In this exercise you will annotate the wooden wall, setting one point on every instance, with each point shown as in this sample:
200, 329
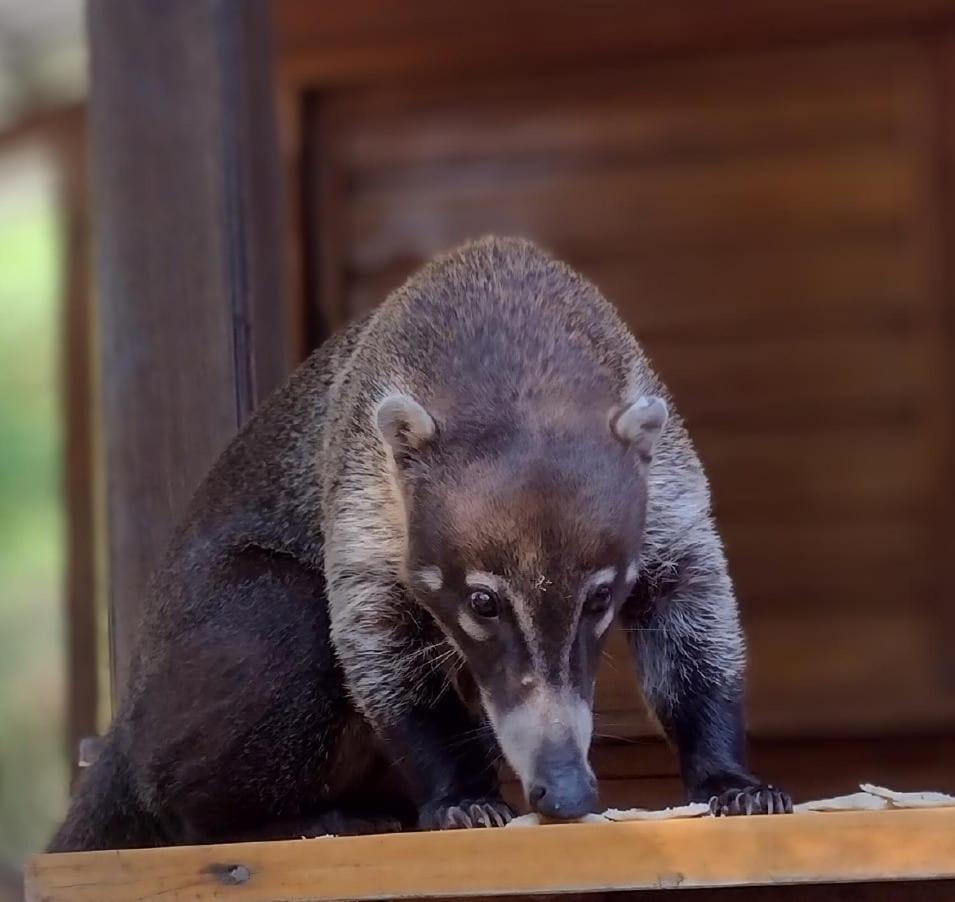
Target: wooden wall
765, 189
766, 209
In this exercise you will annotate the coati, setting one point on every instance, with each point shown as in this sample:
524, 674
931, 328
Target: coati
405, 567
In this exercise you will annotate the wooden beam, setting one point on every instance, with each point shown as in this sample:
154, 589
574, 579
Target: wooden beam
188, 260
365, 40
707, 852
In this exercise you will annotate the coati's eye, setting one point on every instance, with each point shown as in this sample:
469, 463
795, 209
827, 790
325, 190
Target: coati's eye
484, 603
599, 600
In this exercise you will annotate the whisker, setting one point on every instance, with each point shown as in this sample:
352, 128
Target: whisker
629, 740
611, 663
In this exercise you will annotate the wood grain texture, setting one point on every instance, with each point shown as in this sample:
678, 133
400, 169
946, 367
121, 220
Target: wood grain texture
387, 40
188, 260
857, 846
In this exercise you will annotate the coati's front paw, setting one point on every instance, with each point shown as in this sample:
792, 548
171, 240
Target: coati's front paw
760, 799
465, 813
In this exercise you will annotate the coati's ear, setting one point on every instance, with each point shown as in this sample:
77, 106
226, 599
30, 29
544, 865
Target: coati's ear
639, 424
404, 424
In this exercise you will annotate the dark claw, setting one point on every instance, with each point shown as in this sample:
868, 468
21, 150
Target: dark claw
457, 817
751, 800
467, 813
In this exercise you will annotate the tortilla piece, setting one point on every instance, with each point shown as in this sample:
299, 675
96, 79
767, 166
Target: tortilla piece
695, 809
857, 801
909, 799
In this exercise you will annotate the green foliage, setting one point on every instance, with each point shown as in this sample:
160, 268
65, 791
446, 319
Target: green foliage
32, 761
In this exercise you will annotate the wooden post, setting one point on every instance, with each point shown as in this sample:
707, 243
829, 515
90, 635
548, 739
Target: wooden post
187, 258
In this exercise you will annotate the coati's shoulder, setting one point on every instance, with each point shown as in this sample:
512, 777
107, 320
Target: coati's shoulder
266, 481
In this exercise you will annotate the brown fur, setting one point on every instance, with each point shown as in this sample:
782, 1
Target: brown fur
283, 631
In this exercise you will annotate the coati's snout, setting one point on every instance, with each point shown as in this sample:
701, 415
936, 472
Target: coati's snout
562, 788
546, 739
523, 544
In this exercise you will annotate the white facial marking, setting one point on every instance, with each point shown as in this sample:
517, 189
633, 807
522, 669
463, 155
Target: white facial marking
527, 680
632, 571
600, 627
547, 715
432, 577
603, 575
475, 629
476, 579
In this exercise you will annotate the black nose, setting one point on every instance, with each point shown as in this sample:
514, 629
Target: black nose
566, 796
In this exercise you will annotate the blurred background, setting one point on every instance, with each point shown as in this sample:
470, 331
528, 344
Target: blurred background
766, 190
42, 84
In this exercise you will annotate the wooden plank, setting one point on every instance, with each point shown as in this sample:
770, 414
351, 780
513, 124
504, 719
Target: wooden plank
640, 775
838, 473
842, 672
870, 564
805, 382
808, 848
188, 260
862, 284
834, 191
811, 768
817, 669
383, 39
846, 93
644, 773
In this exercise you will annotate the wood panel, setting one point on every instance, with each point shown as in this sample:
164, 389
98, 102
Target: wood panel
187, 261
765, 221
385, 40
834, 672
863, 283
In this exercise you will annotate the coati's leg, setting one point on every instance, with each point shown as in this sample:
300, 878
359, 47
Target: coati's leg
447, 761
238, 719
685, 632
395, 665
105, 812
247, 723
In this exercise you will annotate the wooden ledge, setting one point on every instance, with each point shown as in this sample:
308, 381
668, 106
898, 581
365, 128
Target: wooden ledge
840, 847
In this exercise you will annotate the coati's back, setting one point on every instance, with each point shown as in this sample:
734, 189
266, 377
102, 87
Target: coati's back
498, 325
